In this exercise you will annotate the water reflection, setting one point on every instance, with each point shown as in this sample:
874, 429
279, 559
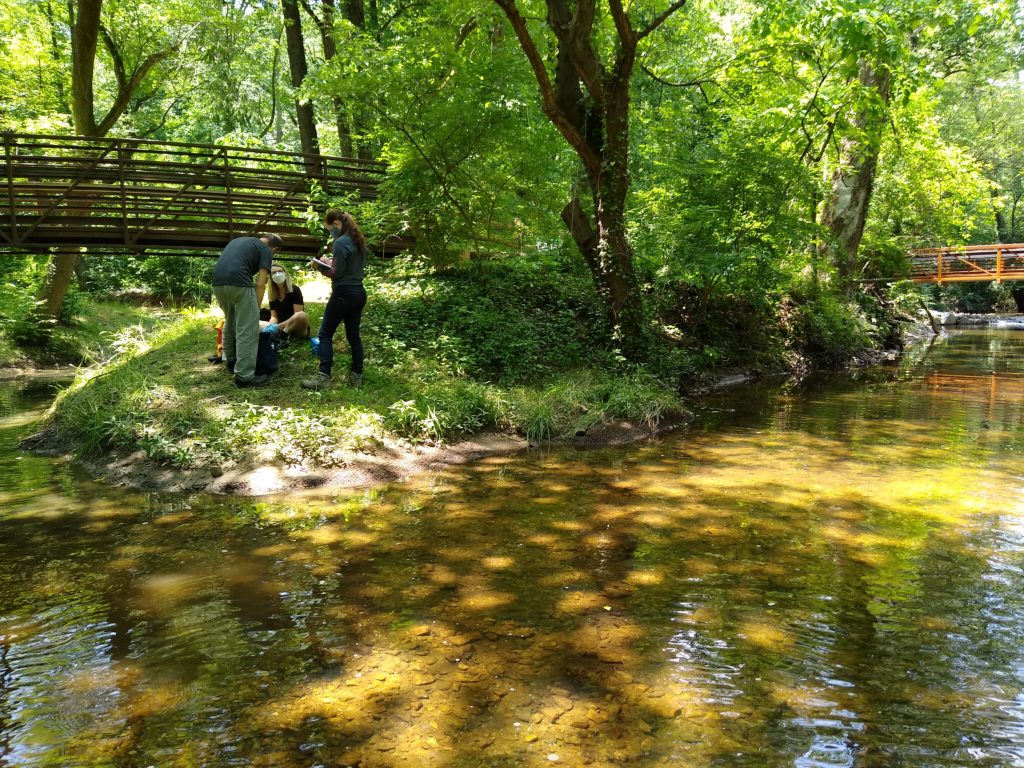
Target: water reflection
822, 574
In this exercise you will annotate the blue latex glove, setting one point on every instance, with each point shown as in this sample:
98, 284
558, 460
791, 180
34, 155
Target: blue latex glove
314, 346
271, 328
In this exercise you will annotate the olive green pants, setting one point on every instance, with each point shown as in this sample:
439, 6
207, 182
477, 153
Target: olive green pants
241, 327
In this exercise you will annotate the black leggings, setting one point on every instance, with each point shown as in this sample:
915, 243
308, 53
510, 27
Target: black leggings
345, 306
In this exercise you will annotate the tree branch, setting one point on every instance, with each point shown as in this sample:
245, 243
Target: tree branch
115, 55
465, 31
124, 94
660, 19
312, 14
574, 32
552, 108
622, 23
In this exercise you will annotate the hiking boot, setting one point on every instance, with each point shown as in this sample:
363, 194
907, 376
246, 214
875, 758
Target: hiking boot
256, 381
320, 381
355, 380
215, 359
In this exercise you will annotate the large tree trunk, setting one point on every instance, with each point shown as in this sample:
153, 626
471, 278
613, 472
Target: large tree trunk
325, 23
85, 35
846, 211
86, 29
298, 69
588, 102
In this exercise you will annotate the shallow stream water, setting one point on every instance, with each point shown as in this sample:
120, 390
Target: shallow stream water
824, 573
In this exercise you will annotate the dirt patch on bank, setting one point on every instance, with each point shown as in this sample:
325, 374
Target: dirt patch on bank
391, 462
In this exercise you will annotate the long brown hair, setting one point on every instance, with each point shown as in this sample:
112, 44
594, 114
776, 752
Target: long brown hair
348, 226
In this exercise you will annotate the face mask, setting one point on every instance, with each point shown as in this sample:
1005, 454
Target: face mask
335, 230
279, 277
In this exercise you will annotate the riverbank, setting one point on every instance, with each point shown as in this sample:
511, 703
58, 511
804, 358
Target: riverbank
458, 367
461, 364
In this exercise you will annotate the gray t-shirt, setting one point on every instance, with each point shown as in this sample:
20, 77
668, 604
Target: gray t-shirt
242, 258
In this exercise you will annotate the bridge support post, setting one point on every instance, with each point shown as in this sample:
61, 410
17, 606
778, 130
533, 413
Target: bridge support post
10, 185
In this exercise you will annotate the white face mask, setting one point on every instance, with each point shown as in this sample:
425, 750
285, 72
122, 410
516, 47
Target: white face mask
279, 277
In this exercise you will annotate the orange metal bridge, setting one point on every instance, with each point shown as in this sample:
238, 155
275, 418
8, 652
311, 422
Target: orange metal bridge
968, 263
121, 196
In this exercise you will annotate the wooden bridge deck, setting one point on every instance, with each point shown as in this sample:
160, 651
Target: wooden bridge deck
132, 195
969, 263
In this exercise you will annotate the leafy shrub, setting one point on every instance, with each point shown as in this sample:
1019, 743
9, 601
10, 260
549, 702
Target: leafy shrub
491, 322
827, 331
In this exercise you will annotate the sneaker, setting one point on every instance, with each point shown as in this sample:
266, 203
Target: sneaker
215, 359
355, 380
320, 381
256, 381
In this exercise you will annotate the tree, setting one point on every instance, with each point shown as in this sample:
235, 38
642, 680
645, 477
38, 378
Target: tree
900, 48
87, 28
586, 95
299, 69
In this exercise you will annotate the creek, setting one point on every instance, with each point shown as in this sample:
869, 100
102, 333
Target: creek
827, 572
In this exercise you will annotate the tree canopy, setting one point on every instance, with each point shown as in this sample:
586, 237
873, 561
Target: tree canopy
686, 145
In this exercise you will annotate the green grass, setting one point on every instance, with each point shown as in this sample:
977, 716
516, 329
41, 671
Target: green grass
433, 374
97, 330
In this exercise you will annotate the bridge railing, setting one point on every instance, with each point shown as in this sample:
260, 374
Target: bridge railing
136, 194
969, 263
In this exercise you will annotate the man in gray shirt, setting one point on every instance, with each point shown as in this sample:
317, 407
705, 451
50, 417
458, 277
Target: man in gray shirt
242, 258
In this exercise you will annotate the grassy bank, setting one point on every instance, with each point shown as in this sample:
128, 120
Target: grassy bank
487, 348
511, 347
94, 331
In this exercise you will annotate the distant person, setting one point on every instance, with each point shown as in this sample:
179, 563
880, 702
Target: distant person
241, 259
287, 311
348, 297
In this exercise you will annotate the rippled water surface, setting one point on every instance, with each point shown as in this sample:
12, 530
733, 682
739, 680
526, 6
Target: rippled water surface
818, 574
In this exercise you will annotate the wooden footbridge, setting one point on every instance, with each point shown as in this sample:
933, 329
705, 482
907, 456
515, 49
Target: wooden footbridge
969, 263
120, 196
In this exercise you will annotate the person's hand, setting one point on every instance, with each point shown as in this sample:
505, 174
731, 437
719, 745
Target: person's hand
269, 328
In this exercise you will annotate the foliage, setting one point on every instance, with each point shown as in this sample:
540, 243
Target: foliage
490, 321
739, 114
826, 330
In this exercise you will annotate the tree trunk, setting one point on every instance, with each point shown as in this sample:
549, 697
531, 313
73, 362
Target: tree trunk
298, 69
325, 23
1002, 230
588, 100
85, 35
355, 12
846, 211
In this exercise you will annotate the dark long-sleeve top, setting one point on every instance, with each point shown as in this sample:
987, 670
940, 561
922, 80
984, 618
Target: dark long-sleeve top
348, 264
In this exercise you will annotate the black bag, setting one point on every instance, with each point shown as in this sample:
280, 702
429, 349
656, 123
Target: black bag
266, 354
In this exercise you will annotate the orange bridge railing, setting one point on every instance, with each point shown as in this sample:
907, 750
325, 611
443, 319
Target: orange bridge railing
968, 263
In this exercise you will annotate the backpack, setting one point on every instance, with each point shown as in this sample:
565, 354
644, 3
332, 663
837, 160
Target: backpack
266, 354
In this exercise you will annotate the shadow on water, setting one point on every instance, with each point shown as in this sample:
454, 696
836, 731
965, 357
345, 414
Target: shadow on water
818, 574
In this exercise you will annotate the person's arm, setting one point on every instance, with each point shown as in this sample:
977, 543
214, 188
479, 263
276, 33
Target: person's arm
261, 285
273, 316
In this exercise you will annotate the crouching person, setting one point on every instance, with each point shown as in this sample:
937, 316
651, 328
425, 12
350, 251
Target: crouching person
242, 259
